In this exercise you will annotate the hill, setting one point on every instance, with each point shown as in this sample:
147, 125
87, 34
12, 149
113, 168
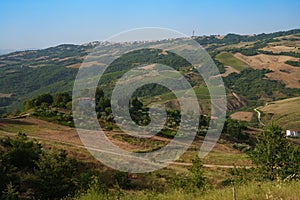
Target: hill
269, 59
40, 82
285, 112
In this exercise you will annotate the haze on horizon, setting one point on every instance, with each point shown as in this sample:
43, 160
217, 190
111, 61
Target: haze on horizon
41, 24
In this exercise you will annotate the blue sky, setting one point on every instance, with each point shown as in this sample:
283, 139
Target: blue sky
44, 23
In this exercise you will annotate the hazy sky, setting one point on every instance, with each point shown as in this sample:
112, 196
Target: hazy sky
44, 23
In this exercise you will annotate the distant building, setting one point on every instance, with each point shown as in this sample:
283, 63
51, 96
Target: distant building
292, 133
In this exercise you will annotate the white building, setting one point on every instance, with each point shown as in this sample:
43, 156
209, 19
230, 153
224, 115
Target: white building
292, 133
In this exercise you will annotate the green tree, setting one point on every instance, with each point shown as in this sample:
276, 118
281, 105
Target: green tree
234, 129
54, 176
274, 156
44, 98
99, 94
20, 152
61, 99
198, 179
136, 103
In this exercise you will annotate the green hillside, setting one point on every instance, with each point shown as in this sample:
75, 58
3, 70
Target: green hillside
228, 59
26, 74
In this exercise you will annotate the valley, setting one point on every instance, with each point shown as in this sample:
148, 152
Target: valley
262, 84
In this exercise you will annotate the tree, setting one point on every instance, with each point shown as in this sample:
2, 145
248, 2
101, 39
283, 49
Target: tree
99, 94
61, 99
274, 156
44, 98
136, 103
234, 129
54, 176
20, 152
198, 179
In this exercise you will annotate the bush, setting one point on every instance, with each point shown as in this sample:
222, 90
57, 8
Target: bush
274, 156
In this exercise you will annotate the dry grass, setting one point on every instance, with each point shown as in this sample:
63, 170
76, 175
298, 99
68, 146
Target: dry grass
85, 64
222, 153
3, 95
281, 72
229, 70
242, 116
253, 191
285, 112
280, 48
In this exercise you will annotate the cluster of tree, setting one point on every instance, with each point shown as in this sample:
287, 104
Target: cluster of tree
235, 38
283, 53
49, 107
293, 63
235, 130
26, 82
146, 56
28, 171
60, 100
253, 85
274, 157
44, 99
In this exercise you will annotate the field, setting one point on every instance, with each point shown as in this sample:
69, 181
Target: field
281, 72
216, 164
229, 60
242, 116
285, 112
222, 153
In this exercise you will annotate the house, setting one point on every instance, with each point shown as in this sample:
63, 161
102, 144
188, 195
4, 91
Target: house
292, 133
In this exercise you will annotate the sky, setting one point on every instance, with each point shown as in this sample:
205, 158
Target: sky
27, 24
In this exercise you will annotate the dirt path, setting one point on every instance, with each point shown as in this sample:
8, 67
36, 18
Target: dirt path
259, 115
75, 144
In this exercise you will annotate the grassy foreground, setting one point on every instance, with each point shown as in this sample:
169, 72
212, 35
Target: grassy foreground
252, 190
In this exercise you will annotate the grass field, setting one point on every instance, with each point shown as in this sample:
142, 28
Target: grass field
252, 190
229, 60
285, 112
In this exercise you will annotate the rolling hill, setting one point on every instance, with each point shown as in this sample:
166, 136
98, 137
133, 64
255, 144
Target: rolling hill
257, 68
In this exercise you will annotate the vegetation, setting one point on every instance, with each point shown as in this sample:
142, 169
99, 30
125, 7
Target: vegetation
285, 112
293, 63
253, 85
250, 190
229, 60
55, 109
30, 170
275, 157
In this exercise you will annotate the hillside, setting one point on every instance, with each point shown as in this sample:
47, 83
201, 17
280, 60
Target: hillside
285, 112
26, 74
40, 83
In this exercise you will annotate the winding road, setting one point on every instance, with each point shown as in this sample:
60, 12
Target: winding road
259, 115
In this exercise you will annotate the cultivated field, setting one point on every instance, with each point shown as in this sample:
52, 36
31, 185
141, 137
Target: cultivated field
229, 60
285, 112
281, 72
